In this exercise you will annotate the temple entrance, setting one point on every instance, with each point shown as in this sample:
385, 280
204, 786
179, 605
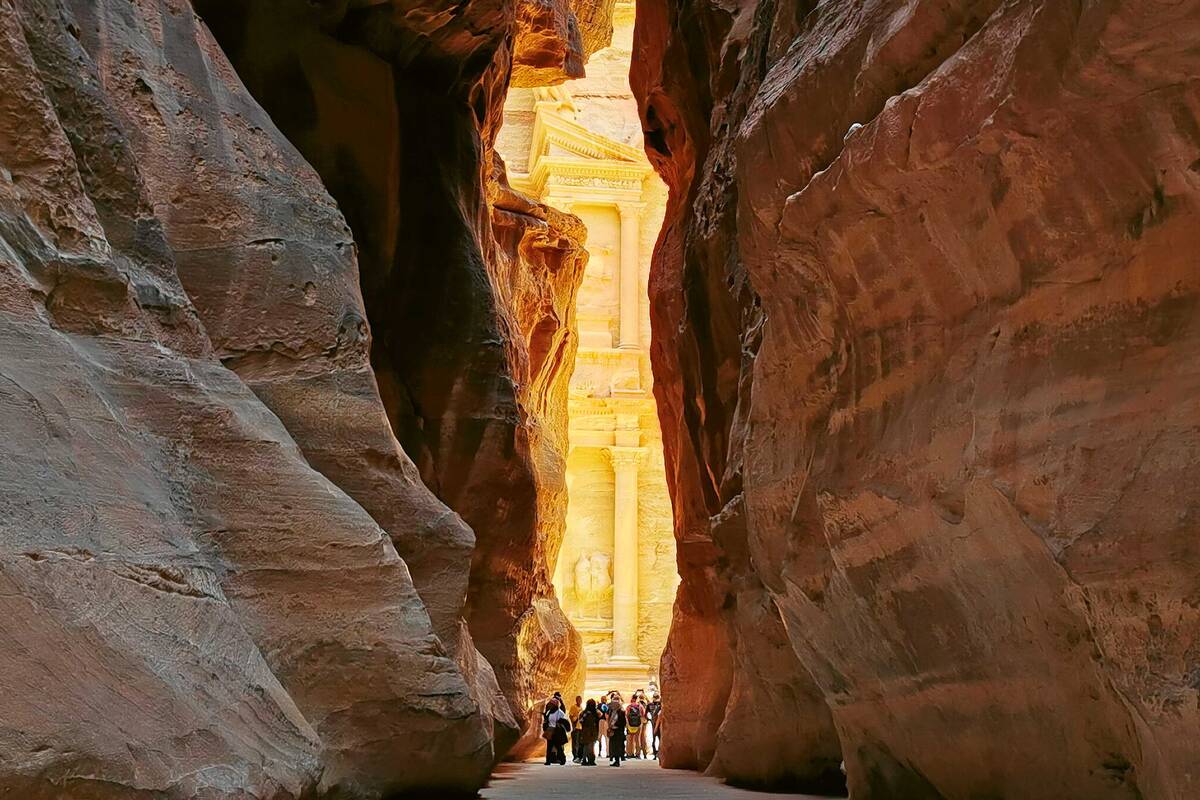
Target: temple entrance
578, 147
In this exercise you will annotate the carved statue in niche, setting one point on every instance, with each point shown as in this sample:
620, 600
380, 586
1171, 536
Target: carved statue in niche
598, 284
593, 581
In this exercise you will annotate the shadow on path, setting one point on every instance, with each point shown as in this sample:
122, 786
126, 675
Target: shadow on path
633, 780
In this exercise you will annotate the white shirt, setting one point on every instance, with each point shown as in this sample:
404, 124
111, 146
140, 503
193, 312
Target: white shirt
555, 716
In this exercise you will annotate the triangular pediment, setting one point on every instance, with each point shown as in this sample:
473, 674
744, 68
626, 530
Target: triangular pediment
555, 134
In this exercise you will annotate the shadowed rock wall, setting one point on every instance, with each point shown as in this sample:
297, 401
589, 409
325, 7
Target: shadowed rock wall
925, 344
470, 306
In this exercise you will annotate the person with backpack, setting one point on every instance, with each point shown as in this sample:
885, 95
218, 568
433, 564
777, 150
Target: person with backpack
556, 732
635, 715
555, 700
616, 733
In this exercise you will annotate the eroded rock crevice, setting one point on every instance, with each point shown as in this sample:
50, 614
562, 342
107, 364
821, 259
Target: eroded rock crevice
283, 386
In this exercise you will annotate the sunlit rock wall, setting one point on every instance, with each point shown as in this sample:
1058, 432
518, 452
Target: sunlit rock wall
592, 164
540, 259
925, 345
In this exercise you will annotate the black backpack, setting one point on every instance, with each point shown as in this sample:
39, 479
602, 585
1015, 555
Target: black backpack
635, 716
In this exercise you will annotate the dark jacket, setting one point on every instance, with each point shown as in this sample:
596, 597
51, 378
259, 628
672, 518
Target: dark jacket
589, 725
616, 722
561, 734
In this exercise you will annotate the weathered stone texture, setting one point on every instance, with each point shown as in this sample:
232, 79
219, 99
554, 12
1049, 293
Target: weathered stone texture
190, 609
595, 18
555, 38
549, 48
469, 304
926, 335
539, 263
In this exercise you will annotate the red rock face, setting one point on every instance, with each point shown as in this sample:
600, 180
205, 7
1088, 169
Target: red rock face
925, 321
555, 37
549, 48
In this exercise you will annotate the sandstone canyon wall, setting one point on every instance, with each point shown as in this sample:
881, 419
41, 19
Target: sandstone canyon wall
224, 576
471, 370
926, 348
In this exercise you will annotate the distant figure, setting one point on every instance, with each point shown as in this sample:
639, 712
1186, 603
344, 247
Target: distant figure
654, 713
576, 747
555, 732
644, 744
589, 732
616, 733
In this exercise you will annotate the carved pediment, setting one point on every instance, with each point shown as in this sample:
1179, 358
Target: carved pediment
554, 133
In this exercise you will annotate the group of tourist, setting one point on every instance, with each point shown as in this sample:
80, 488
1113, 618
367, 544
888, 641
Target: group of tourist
608, 728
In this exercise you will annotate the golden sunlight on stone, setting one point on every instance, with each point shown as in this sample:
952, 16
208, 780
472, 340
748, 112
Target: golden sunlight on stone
577, 147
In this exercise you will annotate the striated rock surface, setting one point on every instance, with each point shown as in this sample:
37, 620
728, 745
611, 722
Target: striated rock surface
596, 20
925, 335
190, 609
549, 47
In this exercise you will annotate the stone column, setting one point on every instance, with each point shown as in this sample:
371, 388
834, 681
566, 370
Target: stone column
625, 462
630, 282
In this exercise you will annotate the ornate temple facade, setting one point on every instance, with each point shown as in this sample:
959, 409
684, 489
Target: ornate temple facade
577, 147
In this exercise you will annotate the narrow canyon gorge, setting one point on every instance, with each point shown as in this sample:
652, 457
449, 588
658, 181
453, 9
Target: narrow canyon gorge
286, 357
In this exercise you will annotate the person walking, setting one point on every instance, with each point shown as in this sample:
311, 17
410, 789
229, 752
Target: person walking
589, 730
645, 742
555, 732
616, 733
654, 714
576, 747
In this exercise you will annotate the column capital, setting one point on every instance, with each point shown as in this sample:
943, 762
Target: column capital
630, 208
627, 456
